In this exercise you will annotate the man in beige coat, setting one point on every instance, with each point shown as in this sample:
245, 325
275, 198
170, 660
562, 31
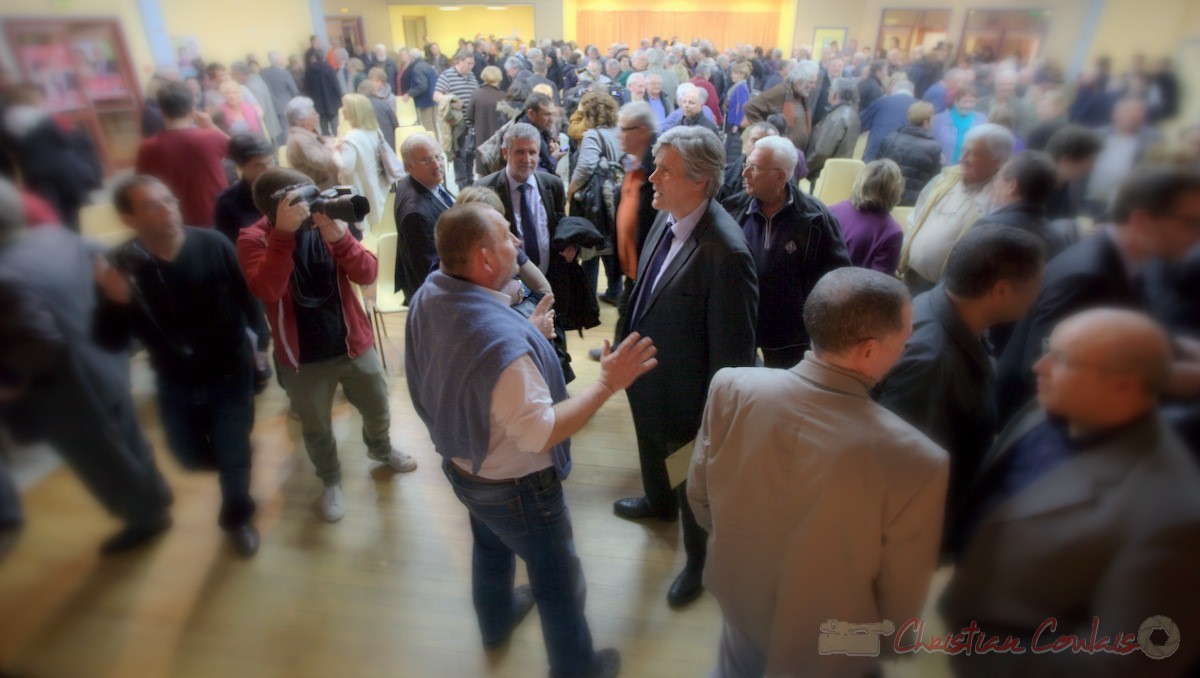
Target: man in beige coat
1087, 513
820, 504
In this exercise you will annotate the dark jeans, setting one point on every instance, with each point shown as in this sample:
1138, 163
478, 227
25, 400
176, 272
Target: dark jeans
612, 271
208, 425
783, 358
527, 517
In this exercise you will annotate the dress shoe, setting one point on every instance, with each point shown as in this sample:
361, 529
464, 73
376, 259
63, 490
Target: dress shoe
609, 299
522, 604
245, 540
687, 587
639, 508
607, 663
134, 536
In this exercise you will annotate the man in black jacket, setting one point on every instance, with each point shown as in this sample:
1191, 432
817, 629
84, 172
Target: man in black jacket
1022, 188
1156, 215
794, 241
697, 298
944, 382
420, 200
182, 293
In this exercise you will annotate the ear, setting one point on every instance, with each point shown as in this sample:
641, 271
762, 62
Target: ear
504, 153
1003, 289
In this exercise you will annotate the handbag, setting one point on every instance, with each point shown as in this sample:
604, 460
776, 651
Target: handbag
390, 166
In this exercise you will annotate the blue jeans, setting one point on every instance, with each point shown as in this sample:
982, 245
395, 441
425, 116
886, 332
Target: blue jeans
527, 517
208, 425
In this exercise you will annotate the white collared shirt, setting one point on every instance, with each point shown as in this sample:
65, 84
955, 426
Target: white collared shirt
521, 417
534, 196
682, 230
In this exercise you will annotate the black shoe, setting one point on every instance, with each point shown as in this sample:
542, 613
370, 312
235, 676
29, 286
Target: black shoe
607, 663
639, 508
522, 604
134, 536
609, 299
245, 540
687, 587
596, 354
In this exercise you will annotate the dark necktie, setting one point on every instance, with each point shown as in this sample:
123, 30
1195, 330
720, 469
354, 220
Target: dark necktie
529, 229
445, 197
649, 278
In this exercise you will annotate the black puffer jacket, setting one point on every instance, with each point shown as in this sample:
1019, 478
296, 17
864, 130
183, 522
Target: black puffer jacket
919, 156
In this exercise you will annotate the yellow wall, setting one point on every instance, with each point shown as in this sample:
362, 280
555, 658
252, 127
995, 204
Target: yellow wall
1129, 26
445, 28
787, 10
260, 26
377, 27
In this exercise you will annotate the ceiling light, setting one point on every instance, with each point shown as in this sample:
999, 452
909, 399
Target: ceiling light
450, 8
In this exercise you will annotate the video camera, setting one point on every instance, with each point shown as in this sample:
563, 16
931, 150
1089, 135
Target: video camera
339, 202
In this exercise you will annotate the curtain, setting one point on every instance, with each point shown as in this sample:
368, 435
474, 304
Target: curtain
724, 29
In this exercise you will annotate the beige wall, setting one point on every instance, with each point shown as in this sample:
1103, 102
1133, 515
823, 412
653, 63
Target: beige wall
126, 11
377, 27
261, 26
445, 28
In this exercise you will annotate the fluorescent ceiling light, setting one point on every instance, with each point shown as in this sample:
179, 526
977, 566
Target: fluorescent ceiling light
449, 8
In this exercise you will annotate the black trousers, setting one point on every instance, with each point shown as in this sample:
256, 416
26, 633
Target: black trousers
653, 452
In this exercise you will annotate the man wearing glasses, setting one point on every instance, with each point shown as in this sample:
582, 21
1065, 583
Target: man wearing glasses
1156, 216
794, 241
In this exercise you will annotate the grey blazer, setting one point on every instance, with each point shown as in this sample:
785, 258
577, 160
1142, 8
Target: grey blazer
701, 316
1114, 532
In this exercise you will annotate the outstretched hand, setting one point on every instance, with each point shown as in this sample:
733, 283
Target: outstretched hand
622, 366
543, 316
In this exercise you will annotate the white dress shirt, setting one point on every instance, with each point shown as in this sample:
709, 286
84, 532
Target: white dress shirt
682, 230
534, 196
522, 419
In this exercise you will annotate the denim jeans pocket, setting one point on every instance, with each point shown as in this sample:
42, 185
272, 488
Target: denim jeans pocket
503, 516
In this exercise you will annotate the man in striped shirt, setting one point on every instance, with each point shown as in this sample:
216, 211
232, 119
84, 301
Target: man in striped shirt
459, 81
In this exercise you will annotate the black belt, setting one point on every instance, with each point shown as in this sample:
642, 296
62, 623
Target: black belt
544, 476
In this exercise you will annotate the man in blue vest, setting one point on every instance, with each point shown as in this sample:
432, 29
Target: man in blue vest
489, 388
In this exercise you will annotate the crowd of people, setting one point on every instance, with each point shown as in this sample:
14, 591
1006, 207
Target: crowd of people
1008, 381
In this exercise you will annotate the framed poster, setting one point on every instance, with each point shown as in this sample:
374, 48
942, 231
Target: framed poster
831, 39
49, 68
96, 63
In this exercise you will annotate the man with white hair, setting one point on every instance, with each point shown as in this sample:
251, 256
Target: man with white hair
420, 200
793, 99
656, 65
635, 88
691, 111
950, 204
1005, 97
794, 241
282, 87
379, 59
837, 133
696, 297
705, 71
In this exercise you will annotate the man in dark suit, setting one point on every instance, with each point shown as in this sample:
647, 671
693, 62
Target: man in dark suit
1087, 512
1022, 188
1156, 215
420, 200
697, 297
57, 384
944, 383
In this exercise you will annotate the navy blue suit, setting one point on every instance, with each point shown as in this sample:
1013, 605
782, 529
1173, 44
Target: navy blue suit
884, 116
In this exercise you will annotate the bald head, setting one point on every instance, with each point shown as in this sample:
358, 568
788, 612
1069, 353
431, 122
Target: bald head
1103, 368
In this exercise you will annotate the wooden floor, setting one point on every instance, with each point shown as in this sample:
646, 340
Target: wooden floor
385, 592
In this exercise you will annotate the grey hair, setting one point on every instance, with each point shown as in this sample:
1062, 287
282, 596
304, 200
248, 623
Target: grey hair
415, 53
639, 112
846, 90
522, 131
686, 89
539, 66
702, 152
903, 86
342, 54
533, 54
640, 77
298, 109
849, 305
783, 150
804, 71
704, 69
997, 138
415, 141
275, 57
653, 76
655, 57
512, 62
612, 62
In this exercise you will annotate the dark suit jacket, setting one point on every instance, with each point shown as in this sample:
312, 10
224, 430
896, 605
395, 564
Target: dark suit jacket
701, 316
1112, 532
554, 199
1030, 218
1086, 275
944, 386
417, 211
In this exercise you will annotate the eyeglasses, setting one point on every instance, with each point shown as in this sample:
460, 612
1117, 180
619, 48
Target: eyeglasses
630, 128
755, 169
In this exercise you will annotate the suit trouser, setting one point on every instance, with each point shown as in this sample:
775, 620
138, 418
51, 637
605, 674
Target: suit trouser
623, 311
106, 449
311, 390
653, 452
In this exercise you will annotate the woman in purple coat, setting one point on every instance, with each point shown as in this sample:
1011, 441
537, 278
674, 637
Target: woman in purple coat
873, 237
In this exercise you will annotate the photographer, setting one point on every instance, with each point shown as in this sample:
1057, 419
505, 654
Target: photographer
181, 292
300, 263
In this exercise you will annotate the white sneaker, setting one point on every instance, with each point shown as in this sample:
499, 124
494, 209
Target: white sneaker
397, 461
332, 505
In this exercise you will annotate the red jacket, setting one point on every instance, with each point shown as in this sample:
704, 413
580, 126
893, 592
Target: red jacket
266, 257
713, 102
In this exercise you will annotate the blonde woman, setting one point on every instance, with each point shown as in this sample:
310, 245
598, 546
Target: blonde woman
357, 155
237, 116
873, 237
